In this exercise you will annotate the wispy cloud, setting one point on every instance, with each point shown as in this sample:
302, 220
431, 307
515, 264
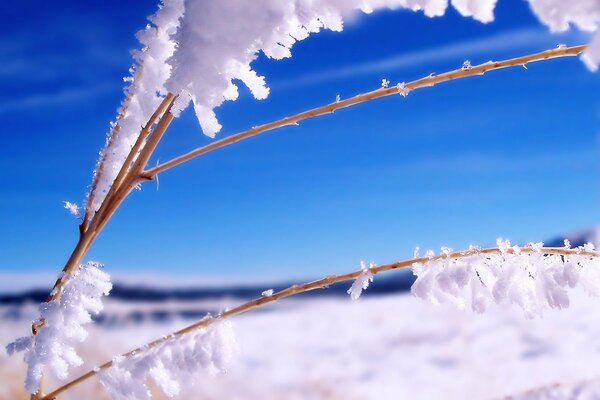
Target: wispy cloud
50, 99
511, 40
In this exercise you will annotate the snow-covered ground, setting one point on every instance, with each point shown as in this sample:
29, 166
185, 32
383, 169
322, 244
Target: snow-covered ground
380, 347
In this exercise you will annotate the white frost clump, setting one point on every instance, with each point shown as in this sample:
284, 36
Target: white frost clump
482, 10
362, 281
530, 279
267, 293
72, 208
585, 14
218, 40
177, 362
63, 325
142, 97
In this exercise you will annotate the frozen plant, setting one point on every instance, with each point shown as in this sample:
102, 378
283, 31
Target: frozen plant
133, 176
142, 97
64, 320
179, 361
197, 49
194, 52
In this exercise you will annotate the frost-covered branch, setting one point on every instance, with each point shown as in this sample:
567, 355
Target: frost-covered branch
175, 363
53, 348
533, 280
564, 266
402, 88
142, 97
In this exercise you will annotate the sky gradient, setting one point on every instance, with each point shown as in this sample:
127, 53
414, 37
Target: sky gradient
512, 154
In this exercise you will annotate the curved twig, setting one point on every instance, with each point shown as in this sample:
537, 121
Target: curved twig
430, 80
306, 287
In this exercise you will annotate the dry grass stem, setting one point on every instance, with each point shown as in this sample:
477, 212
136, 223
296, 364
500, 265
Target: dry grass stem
430, 80
125, 181
114, 133
303, 288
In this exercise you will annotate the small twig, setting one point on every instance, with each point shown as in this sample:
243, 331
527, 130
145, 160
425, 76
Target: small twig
430, 80
127, 178
306, 287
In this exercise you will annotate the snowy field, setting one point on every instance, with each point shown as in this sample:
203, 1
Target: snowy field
380, 347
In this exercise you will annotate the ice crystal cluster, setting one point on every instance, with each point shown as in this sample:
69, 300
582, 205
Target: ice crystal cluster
197, 49
63, 325
362, 281
180, 360
528, 277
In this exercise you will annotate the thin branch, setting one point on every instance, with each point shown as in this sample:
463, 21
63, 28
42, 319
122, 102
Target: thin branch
306, 287
124, 182
427, 81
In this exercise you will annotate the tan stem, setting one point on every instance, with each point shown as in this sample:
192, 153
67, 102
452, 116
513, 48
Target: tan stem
303, 288
126, 179
427, 81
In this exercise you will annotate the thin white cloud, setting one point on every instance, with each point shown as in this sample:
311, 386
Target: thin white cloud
511, 40
59, 98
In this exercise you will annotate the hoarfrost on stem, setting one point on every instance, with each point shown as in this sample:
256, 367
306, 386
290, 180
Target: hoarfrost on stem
559, 15
63, 325
143, 95
402, 89
179, 361
527, 277
362, 281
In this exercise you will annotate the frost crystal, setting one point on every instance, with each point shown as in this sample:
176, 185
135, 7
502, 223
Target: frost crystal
178, 362
72, 208
385, 83
467, 65
63, 325
267, 293
402, 89
362, 281
530, 279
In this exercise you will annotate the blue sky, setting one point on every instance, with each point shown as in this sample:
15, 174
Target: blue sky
511, 154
